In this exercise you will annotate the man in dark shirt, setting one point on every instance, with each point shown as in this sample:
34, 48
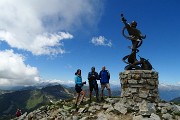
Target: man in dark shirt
93, 77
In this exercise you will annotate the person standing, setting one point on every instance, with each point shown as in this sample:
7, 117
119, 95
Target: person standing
92, 78
78, 87
104, 77
18, 113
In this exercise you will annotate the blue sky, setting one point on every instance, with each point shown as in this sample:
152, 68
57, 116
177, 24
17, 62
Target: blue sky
50, 41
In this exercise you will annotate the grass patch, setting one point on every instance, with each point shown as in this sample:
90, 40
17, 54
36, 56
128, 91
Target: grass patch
34, 100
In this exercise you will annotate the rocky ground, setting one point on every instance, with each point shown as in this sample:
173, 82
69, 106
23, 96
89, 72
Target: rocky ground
109, 109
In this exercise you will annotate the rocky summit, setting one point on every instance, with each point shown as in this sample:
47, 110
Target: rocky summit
139, 100
109, 109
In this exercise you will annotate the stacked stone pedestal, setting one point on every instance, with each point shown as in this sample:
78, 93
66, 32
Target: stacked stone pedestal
139, 85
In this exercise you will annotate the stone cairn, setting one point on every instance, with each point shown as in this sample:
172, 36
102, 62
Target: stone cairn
139, 85
139, 91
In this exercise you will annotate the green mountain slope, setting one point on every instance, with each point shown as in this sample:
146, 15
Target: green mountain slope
29, 100
176, 100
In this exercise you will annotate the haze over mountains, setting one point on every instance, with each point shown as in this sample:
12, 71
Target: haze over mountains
167, 92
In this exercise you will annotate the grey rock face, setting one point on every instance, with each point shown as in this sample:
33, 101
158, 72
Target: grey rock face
146, 109
120, 107
155, 117
167, 116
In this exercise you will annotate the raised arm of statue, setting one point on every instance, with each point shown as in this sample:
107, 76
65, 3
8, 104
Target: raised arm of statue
124, 21
122, 18
134, 33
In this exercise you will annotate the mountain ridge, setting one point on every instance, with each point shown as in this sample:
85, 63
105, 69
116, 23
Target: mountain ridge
28, 100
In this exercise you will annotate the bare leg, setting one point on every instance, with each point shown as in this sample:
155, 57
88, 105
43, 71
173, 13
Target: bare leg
109, 92
82, 96
102, 94
77, 98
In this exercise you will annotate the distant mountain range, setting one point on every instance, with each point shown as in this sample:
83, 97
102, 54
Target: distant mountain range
176, 100
167, 92
36, 86
31, 98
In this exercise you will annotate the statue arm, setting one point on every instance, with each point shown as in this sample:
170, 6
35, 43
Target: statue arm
124, 21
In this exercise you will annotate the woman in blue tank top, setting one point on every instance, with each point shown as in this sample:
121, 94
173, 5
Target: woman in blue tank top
78, 87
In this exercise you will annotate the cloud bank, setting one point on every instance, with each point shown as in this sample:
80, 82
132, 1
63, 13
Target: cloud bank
40, 26
63, 82
101, 41
13, 70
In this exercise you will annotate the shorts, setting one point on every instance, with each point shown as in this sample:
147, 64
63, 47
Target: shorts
93, 85
78, 88
107, 85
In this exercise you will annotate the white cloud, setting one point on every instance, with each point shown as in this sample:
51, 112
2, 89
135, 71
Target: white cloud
13, 70
64, 82
45, 44
101, 41
37, 26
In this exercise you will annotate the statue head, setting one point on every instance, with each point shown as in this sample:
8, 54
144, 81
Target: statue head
133, 24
